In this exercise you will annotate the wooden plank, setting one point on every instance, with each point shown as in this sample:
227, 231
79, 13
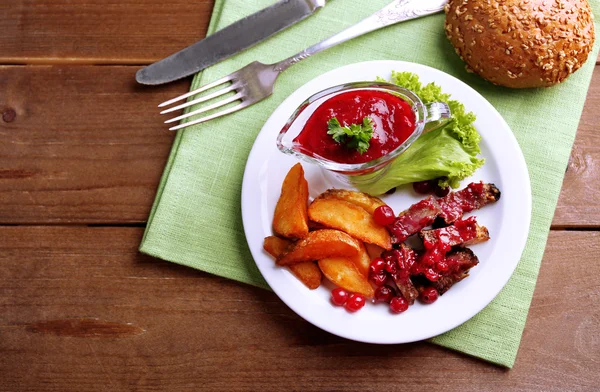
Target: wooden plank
579, 202
68, 122
81, 310
80, 144
99, 32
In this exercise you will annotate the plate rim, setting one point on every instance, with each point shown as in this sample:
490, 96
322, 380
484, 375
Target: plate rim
395, 65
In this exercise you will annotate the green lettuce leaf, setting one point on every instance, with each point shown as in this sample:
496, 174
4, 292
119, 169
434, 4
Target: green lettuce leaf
450, 151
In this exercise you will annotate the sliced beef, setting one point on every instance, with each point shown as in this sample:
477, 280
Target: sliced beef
461, 232
438, 242
449, 208
473, 197
405, 257
461, 261
417, 217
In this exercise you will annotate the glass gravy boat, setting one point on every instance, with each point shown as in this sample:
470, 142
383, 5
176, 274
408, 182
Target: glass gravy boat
427, 117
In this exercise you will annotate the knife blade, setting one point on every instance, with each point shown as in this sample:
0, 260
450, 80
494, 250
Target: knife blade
228, 41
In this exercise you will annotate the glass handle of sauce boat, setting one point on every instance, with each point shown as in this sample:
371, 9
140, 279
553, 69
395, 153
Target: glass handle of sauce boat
438, 115
395, 12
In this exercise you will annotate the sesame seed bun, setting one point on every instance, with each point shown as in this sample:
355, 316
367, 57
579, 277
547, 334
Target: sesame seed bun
521, 43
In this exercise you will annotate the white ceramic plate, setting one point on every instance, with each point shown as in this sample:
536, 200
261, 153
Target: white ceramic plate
507, 220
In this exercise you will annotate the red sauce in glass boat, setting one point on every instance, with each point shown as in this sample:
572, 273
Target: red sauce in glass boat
392, 117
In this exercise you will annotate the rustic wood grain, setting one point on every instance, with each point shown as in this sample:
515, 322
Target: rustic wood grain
98, 32
81, 310
103, 32
86, 145
579, 202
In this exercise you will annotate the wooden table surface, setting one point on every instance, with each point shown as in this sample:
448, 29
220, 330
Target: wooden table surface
82, 310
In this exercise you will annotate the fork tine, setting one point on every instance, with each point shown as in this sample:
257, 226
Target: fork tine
202, 99
236, 97
198, 90
212, 116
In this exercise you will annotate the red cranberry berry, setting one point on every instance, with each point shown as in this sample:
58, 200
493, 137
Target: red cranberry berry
429, 295
391, 191
441, 192
355, 302
339, 296
391, 266
398, 305
378, 278
377, 265
384, 215
384, 293
424, 187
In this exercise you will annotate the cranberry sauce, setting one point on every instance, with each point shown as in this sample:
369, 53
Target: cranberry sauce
455, 204
392, 118
433, 262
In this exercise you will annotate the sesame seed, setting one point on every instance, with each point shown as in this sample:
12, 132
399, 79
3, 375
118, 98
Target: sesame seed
539, 60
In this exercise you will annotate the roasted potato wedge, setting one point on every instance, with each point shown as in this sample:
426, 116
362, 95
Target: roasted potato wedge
343, 273
307, 272
290, 219
275, 246
320, 244
368, 202
312, 226
374, 250
362, 260
350, 218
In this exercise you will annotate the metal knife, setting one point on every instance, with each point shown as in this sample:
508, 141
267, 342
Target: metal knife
228, 41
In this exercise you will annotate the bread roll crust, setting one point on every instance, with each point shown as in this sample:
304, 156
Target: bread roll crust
521, 43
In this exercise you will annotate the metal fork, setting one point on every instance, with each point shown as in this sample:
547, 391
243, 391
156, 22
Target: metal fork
255, 81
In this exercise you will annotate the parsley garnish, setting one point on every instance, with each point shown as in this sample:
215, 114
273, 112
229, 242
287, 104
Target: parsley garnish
355, 136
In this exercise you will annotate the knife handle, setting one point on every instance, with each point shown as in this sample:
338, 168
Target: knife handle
395, 12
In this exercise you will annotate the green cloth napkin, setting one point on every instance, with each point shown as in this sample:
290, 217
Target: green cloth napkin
196, 218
